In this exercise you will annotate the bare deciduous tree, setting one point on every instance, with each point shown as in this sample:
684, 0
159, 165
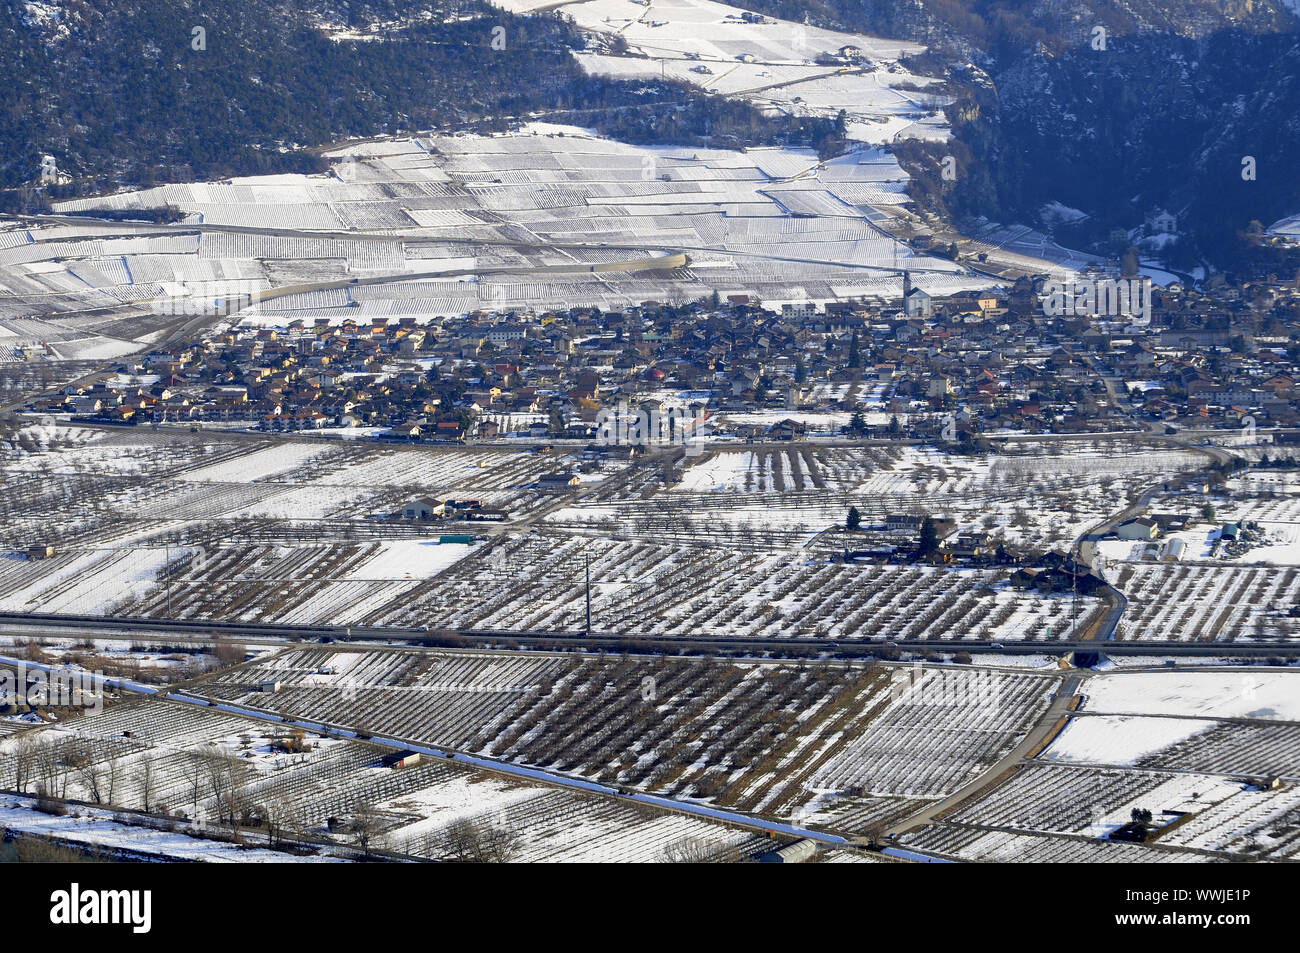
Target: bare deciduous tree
111, 766
193, 770
144, 774
482, 842
228, 653
688, 850
25, 756
365, 827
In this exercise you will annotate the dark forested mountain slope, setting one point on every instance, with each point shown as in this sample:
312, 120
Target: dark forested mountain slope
1161, 118
119, 94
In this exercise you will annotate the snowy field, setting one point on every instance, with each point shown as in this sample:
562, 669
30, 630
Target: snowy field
1120, 739
88, 583
769, 63
588, 201
830, 732
1034, 496
1254, 694
293, 529
1207, 602
409, 559
261, 465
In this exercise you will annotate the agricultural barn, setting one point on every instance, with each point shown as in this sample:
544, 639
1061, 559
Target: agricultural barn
423, 509
1141, 528
801, 851
558, 481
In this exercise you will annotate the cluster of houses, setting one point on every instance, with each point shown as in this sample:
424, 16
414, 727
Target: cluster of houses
972, 362
899, 538
902, 538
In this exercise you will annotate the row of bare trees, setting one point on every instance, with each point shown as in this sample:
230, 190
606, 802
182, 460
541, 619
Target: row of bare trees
218, 785
54, 766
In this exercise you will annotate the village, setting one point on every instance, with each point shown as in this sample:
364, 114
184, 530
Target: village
960, 368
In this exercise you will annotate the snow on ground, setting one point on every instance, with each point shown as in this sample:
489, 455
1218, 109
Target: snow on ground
460, 797
409, 559
41, 436
1180, 793
1282, 548
1252, 821
722, 471
88, 583
92, 349
1119, 739
1058, 213
260, 464
308, 501
993, 660
737, 213
94, 826
1026, 247
1290, 226
827, 422
1267, 695
1169, 661
1269, 498
1158, 275
1196, 542
350, 433
768, 62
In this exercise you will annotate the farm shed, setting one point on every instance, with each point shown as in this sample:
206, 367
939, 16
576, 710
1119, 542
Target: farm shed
558, 481
485, 515
801, 851
1025, 577
401, 759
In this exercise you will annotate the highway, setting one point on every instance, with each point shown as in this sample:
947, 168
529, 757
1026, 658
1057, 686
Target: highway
192, 630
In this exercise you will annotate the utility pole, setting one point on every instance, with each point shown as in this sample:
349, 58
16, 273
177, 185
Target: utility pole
586, 559
1074, 602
